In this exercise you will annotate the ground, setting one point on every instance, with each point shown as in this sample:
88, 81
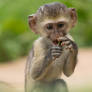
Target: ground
13, 73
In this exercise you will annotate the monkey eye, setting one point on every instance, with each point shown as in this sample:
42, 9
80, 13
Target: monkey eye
60, 25
49, 26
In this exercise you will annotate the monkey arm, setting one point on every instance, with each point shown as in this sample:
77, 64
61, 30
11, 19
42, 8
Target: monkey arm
40, 61
39, 66
71, 61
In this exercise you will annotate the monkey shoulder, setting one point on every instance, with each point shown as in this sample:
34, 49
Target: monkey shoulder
39, 43
40, 46
35, 51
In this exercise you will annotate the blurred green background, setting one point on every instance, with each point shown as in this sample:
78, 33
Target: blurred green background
15, 36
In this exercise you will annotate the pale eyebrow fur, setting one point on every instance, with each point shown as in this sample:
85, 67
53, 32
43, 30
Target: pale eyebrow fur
46, 21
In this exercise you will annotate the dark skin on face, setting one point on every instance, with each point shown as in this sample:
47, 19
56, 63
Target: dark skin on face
56, 30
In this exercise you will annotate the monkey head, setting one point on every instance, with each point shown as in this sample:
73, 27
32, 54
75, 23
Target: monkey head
53, 20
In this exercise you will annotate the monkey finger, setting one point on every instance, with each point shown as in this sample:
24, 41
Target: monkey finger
56, 54
62, 39
54, 57
65, 43
56, 51
56, 48
69, 47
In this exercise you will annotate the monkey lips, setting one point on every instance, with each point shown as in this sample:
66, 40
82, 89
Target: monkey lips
57, 42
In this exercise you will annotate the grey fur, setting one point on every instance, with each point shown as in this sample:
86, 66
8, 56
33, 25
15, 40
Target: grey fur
43, 72
52, 10
44, 69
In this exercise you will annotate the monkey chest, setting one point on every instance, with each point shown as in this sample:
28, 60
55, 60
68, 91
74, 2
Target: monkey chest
55, 70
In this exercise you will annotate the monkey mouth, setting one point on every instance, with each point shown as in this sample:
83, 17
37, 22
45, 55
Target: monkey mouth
57, 42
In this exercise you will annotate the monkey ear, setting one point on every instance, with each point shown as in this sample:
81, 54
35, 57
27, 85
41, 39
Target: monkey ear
73, 15
32, 22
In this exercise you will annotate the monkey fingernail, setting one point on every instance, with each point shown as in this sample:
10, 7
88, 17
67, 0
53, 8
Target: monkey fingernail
66, 47
53, 57
62, 44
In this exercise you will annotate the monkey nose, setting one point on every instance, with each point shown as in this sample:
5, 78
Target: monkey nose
61, 34
57, 35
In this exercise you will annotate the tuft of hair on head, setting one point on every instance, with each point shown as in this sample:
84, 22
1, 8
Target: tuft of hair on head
52, 10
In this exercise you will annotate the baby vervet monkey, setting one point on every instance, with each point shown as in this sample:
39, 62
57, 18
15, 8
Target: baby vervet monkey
55, 52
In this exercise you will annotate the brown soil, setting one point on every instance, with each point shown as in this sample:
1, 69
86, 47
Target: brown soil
13, 73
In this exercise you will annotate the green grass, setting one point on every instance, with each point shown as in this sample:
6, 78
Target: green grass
16, 39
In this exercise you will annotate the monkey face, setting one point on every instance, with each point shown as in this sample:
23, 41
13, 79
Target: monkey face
56, 27
56, 30
53, 20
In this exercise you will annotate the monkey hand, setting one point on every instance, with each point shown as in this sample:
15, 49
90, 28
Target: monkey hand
56, 51
67, 43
